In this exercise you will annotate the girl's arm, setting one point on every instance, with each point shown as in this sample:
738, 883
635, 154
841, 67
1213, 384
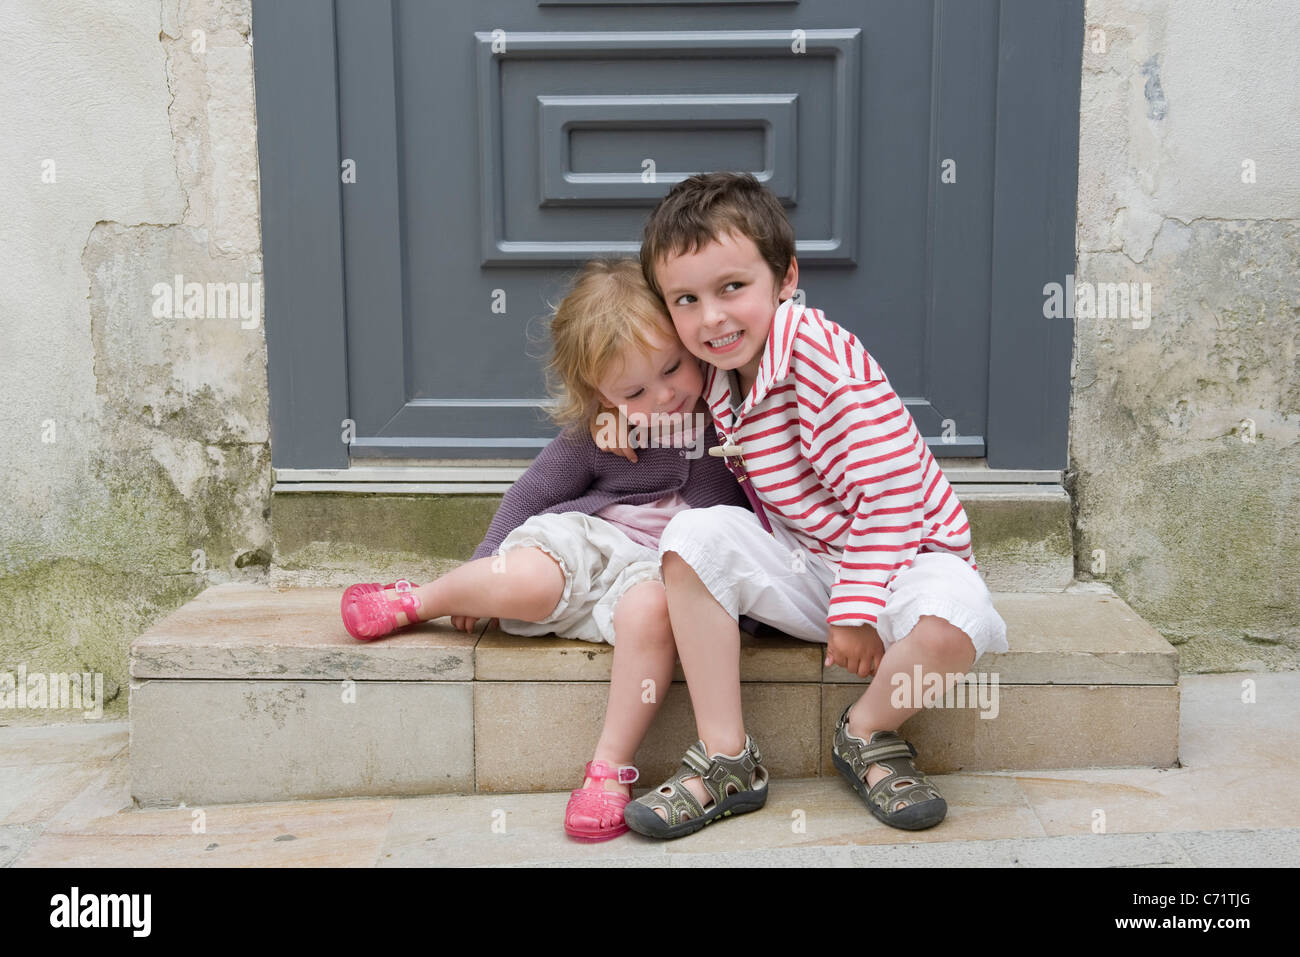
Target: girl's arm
561, 472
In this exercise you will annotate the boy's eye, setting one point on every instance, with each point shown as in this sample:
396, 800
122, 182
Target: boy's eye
735, 283
676, 365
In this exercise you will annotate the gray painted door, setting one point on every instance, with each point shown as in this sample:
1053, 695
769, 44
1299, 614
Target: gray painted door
925, 152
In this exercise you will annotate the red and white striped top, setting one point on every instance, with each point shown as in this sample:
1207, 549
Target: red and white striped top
832, 452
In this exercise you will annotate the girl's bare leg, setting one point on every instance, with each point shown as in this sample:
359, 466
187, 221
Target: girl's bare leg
524, 584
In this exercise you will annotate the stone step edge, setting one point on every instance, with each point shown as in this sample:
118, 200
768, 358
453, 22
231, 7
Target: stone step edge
1040, 667
241, 631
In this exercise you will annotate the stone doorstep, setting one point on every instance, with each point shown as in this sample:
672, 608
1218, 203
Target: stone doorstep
236, 697
225, 741
243, 631
202, 742
1036, 727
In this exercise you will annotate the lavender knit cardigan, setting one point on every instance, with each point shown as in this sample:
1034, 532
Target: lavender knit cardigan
572, 475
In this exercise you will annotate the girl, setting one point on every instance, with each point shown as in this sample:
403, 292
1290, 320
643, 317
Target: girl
576, 538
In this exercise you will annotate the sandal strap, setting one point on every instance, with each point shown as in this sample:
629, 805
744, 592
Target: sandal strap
697, 758
886, 797
716, 771
603, 770
886, 748
883, 744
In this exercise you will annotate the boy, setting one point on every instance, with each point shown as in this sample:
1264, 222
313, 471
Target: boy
856, 538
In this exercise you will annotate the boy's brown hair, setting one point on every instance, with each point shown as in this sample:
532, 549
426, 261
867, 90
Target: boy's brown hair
607, 312
702, 208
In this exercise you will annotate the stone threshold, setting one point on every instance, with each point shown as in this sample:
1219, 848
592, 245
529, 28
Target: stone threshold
252, 694
243, 631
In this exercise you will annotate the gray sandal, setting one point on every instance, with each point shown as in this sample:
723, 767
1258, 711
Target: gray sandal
924, 806
737, 785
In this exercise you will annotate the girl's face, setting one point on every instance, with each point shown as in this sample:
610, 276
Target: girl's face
668, 380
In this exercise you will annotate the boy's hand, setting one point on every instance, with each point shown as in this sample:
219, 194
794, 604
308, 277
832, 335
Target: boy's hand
600, 435
857, 649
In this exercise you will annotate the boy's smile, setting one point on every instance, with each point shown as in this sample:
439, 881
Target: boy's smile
722, 298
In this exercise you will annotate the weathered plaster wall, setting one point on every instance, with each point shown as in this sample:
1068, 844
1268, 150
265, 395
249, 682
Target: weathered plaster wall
1185, 428
135, 465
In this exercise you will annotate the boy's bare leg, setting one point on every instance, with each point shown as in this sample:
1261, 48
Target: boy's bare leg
708, 643
643, 652
524, 584
939, 647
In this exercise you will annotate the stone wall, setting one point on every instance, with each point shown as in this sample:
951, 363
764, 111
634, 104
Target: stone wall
1185, 422
135, 462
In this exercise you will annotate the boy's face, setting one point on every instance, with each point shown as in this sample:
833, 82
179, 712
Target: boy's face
722, 298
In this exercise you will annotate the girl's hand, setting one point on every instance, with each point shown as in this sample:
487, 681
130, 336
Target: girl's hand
612, 440
469, 624
857, 649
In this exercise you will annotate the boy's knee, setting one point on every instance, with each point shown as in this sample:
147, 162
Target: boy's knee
941, 637
644, 609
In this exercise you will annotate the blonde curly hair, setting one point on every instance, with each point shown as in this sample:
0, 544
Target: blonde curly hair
609, 309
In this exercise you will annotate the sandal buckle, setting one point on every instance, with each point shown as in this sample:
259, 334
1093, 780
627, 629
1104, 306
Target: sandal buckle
623, 772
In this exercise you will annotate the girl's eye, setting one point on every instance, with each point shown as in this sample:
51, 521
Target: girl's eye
680, 298
735, 283
676, 365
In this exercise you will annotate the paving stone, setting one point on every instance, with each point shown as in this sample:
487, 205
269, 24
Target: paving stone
231, 741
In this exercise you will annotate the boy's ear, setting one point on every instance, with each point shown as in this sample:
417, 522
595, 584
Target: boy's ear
791, 281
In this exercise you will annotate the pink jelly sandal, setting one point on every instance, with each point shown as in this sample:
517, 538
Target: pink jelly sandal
355, 591
594, 814
368, 613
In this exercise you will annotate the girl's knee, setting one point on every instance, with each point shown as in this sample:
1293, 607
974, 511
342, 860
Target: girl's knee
537, 558
539, 577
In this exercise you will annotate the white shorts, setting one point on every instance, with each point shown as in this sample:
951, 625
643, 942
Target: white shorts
599, 562
774, 579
